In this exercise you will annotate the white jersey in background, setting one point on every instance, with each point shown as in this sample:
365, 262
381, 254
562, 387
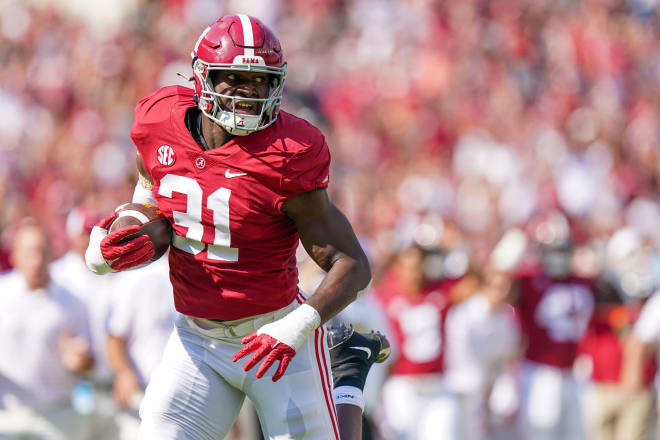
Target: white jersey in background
143, 315
95, 293
647, 326
480, 341
31, 324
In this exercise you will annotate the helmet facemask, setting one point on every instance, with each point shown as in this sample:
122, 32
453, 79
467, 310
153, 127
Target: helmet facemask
239, 124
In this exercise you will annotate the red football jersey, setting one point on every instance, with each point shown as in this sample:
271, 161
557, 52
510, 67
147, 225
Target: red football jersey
604, 345
233, 249
418, 325
554, 316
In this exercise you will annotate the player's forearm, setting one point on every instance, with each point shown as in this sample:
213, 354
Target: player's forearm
117, 357
329, 239
142, 192
350, 422
633, 364
345, 280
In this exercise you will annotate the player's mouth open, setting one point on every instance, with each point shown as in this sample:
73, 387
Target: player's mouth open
246, 108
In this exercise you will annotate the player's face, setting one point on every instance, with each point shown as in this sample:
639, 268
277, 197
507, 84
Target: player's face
80, 242
241, 84
31, 255
557, 263
409, 268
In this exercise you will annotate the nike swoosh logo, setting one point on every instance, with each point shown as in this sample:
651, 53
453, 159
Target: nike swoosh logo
365, 349
229, 174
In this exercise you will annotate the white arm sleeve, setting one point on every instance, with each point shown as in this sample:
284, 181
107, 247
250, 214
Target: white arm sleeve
143, 195
647, 327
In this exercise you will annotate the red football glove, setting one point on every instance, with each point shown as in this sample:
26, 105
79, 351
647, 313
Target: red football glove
104, 253
279, 340
263, 345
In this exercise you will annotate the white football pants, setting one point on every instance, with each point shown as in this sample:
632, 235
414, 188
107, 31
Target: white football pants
197, 391
549, 404
417, 407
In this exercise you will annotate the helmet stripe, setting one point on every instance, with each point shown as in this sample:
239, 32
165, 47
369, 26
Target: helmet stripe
199, 40
248, 36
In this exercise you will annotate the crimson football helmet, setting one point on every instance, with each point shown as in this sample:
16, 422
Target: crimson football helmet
554, 237
238, 43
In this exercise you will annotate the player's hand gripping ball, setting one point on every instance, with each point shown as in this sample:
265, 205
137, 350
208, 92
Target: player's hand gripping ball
134, 221
134, 235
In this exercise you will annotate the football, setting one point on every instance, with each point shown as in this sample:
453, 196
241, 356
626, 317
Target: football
151, 221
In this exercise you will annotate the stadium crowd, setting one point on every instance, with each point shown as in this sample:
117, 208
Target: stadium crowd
451, 126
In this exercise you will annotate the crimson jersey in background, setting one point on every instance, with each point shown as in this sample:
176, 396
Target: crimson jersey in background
233, 249
418, 324
4, 261
603, 342
554, 315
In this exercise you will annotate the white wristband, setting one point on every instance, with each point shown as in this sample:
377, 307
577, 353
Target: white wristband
294, 328
348, 395
93, 257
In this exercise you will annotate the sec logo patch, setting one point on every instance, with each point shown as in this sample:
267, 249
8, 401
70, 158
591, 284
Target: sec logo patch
166, 155
200, 162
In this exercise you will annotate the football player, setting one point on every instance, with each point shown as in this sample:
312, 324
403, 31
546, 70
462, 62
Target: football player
351, 356
241, 182
44, 345
416, 298
554, 308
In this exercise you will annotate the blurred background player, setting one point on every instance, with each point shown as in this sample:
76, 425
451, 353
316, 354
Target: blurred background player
554, 308
642, 345
97, 295
140, 322
416, 301
482, 341
351, 356
613, 408
44, 345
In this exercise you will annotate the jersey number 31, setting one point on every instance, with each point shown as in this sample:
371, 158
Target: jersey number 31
217, 201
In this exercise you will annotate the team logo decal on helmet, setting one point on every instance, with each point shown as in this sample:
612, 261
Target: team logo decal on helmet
238, 43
